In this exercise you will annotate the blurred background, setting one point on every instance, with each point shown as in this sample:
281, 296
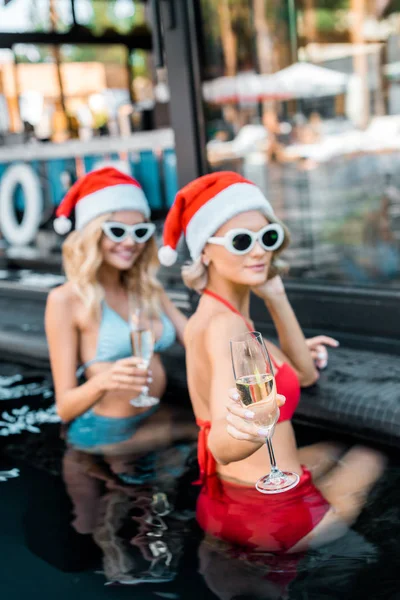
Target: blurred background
300, 96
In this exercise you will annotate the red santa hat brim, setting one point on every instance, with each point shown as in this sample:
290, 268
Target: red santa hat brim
110, 199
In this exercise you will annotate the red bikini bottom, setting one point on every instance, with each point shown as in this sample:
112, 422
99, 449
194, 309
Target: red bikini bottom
273, 523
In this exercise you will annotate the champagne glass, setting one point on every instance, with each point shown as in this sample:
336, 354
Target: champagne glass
142, 339
256, 385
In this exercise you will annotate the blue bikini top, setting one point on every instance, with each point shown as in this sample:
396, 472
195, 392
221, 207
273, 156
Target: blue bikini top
114, 341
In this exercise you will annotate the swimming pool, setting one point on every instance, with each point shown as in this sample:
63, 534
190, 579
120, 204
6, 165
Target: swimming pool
138, 527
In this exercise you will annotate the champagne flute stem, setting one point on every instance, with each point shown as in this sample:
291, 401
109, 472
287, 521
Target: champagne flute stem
271, 452
274, 469
147, 391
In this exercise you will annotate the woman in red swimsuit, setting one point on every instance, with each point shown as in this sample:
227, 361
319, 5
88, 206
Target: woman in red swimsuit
234, 239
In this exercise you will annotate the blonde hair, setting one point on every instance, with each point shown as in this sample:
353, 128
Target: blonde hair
195, 274
82, 259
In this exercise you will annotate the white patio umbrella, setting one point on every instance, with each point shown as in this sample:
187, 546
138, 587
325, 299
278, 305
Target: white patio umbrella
300, 80
305, 80
243, 87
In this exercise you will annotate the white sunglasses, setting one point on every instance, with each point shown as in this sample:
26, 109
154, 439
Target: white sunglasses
118, 232
241, 241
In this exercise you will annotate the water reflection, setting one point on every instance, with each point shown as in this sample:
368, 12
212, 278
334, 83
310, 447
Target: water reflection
129, 505
126, 497
133, 519
141, 517
233, 573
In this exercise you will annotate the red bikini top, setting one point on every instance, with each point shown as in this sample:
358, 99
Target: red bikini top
287, 382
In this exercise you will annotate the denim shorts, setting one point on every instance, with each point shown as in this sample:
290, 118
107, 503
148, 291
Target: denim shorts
91, 430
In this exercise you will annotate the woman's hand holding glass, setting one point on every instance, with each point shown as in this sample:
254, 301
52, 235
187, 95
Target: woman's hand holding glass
248, 423
125, 375
255, 383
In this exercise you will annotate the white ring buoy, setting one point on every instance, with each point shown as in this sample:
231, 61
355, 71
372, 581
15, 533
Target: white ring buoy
20, 234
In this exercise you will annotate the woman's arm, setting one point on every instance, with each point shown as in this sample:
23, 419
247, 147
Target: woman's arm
224, 442
63, 338
177, 317
291, 338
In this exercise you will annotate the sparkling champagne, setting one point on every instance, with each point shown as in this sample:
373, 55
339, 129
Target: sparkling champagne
142, 340
259, 392
142, 344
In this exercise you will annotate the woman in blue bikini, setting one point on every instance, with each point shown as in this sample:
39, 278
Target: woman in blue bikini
110, 262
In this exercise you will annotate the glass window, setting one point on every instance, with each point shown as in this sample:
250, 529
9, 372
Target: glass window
81, 91
23, 16
303, 98
68, 108
100, 16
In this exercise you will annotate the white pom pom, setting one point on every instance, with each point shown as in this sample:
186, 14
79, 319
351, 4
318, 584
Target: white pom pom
62, 225
167, 256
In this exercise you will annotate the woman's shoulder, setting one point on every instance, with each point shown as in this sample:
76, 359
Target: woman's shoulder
64, 296
221, 327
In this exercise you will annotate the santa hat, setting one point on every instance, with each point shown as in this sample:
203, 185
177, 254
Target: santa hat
99, 192
203, 206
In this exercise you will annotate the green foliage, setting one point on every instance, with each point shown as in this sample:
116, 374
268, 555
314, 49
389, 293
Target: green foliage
104, 17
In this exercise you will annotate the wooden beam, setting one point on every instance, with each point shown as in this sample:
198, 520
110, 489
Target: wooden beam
133, 41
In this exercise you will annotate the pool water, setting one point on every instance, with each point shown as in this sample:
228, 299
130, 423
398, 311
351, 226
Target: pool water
77, 524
